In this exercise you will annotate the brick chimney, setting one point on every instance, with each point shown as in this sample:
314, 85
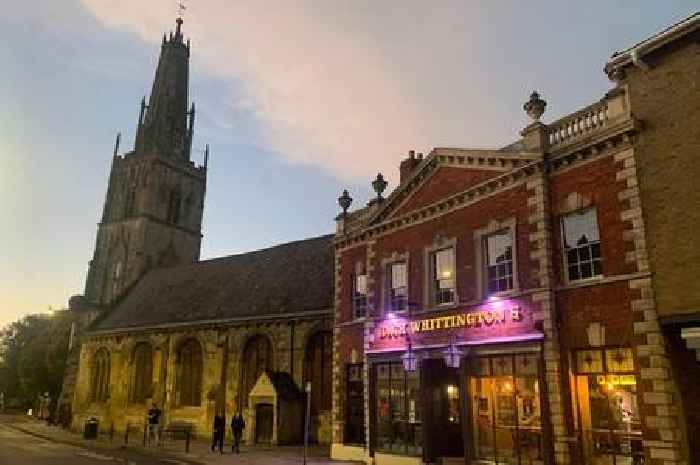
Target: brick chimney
408, 165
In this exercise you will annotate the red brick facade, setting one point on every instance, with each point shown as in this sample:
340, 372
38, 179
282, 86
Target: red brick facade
581, 166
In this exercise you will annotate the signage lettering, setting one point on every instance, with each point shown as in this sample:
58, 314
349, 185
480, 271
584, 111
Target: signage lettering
485, 318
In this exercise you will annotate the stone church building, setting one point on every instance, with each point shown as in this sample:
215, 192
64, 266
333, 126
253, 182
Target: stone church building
156, 325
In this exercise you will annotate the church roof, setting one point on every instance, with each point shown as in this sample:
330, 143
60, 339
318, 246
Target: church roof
286, 280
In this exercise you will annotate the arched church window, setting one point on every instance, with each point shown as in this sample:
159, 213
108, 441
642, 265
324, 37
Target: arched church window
257, 358
99, 376
317, 370
130, 207
143, 372
116, 278
190, 373
174, 204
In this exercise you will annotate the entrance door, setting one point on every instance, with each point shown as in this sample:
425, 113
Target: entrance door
263, 423
443, 425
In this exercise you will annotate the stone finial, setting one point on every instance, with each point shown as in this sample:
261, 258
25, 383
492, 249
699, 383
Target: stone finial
379, 185
535, 106
345, 201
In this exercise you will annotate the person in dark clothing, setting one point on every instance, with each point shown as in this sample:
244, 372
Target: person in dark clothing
219, 431
237, 425
154, 424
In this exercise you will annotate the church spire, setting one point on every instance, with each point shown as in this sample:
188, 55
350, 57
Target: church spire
164, 127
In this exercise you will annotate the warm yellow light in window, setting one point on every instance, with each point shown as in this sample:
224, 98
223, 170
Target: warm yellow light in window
447, 274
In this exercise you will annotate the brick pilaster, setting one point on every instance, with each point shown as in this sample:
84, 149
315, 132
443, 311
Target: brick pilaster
541, 256
656, 391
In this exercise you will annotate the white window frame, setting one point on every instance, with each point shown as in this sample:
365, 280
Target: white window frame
431, 275
360, 302
591, 260
487, 266
481, 250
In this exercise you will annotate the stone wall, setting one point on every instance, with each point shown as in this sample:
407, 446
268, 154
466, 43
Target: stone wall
222, 350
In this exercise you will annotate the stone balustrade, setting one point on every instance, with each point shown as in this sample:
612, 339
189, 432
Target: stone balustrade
581, 123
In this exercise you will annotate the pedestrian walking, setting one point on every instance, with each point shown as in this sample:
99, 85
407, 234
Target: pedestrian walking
219, 432
154, 424
237, 425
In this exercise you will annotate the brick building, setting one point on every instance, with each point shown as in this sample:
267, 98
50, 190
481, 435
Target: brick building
505, 306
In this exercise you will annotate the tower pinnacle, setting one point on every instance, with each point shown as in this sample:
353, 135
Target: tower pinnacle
164, 128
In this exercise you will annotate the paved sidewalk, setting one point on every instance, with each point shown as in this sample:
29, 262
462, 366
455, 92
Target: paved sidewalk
174, 450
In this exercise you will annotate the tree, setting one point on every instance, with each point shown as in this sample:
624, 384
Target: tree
33, 354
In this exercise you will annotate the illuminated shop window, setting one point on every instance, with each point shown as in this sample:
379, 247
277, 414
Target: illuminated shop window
499, 262
359, 295
582, 245
443, 276
399, 427
506, 416
397, 286
605, 388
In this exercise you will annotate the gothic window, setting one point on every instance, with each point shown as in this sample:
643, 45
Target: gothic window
582, 245
257, 358
174, 204
99, 376
190, 373
130, 207
116, 278
143, 372
317, 370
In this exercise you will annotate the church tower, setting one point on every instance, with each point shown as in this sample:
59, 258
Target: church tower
152, 215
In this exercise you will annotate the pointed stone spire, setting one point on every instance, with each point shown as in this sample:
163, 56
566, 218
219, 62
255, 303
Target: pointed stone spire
164, 128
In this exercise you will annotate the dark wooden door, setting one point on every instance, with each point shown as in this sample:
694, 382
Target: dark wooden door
263, 423
442, 419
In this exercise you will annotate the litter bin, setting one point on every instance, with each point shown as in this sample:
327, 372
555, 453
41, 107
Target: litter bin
90, 428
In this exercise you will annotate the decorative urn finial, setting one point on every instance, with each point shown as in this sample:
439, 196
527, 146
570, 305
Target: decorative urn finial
379, 185
535, 106
345, 201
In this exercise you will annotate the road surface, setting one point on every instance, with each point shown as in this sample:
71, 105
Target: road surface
17, 448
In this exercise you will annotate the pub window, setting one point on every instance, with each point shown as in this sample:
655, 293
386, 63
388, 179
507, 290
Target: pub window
397, 286
506, 416
399, 426
499, 261
608, 410
359, 295
355, 406
443, 276
581, 245
190, 373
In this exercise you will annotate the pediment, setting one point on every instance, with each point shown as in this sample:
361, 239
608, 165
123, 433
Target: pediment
446, 172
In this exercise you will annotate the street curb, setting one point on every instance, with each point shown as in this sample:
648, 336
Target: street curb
161, 455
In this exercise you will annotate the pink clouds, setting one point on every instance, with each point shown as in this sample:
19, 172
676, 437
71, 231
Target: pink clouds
347, 86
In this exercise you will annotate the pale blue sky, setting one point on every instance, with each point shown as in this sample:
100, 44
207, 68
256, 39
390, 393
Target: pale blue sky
297, 100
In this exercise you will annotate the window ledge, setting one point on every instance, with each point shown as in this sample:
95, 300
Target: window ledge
598, 280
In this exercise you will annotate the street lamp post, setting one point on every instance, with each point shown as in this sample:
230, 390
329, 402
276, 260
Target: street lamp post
307, 419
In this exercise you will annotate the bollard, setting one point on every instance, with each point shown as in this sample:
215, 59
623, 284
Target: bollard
187, 441
111, 432
126, 435
145, 434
